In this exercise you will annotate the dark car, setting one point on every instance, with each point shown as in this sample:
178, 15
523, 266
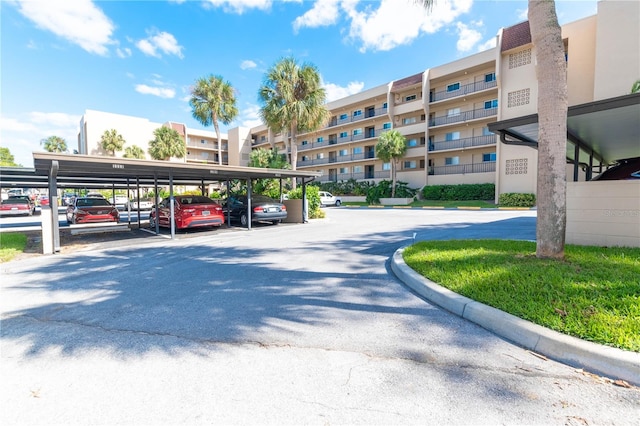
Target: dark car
14, 206
32, 204
68, 198
263, 209
91, 210
628, 168
190, 211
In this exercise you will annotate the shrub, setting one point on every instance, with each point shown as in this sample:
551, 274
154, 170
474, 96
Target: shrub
346, 187
517, 199
464, 192
383, 190
313, 198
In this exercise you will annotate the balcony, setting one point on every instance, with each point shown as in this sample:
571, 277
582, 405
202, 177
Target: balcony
463, 90
462, 117
380, 174
463, 143
350, 119
338, 159
460, 169
343, 139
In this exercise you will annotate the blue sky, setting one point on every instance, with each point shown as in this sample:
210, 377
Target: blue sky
140, 58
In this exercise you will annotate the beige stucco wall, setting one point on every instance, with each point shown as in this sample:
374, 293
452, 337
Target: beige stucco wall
581, 36
462, 179
617, 48
603, 213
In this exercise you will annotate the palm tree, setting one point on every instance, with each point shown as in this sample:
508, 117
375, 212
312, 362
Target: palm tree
391, 147
636, 87
111, 141
166, 144
292, 102
546, 37
134, 152
213, 100
54, 144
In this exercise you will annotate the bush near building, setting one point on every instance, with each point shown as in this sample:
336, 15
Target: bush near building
516, 199
476, 191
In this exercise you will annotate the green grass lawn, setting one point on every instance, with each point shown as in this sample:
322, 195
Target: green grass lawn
594, 294
439, 204
11, 244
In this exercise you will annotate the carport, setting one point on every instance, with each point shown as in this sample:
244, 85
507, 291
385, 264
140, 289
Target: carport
84, 171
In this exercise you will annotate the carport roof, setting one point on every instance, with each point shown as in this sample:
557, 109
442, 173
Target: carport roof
86, 168
609, 127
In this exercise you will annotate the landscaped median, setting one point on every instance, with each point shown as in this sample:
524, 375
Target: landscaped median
592, 295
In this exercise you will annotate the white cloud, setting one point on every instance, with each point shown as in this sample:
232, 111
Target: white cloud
22, 135
323, 13
238, 6
79, 21
389, 25
247, 64
489, 44
160, 42
523, 14
124, 52
467, 37
161, 92
250, 116
338, 92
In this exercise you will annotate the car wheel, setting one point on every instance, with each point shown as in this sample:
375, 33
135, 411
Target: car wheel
338, 203
244, 220
152, 223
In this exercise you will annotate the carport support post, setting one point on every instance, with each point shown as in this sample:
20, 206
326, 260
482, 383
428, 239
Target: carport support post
156, 201
50, 225
304, 201
249, 218
171, 206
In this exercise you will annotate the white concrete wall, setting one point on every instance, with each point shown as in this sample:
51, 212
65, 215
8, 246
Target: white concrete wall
603, 213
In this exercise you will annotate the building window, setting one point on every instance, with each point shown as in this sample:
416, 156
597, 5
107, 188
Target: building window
357, 169
452, 112
488, 78
410, 98
452, 136
305, 158
203, 142
491, 104
305, 142
358, 150
343, 152
344, 134
410, 164
320, 139
518, 98
386, 166
343, 116
452, 161
357, 132
320, 155
486, 131
489, 157
357, 112
386, 126
384, 105
408, 120
343, 170
412, 142
263, 138
453, 87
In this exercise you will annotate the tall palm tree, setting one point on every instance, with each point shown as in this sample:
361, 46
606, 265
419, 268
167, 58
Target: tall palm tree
166, 144
54, 144
112, 141
134, 151
293, 101
391, 147
213, 100
546, 36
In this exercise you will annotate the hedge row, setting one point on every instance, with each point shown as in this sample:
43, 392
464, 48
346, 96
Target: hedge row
516, 199
476, 191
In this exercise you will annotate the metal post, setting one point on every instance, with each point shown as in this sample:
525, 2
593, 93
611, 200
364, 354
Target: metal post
171, 206
249, 204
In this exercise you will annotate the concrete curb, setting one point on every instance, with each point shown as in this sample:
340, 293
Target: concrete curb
604, 360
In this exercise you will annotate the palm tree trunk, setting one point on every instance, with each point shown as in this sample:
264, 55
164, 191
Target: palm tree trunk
217, 129
551, 72
394, 166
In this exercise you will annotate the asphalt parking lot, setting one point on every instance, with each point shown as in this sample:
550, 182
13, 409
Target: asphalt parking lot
287, 324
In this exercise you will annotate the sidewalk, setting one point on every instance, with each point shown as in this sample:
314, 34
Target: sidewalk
604, 360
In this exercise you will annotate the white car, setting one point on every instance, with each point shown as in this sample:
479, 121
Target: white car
328, 199
144, 204
120, 201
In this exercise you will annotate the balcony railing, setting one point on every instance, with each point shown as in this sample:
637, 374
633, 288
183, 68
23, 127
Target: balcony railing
351, 118
463, 143
460, 169
463, 90
343, 139
380, 174
463, 116
338, 159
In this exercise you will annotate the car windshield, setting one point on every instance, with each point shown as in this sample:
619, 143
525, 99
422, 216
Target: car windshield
15, 201
195, 199
92, 202
262, 199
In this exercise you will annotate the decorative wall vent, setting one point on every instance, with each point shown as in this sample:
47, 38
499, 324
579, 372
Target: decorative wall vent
516, 167
520, 58
518, 98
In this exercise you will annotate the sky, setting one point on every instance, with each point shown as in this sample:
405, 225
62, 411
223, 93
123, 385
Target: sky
59, 58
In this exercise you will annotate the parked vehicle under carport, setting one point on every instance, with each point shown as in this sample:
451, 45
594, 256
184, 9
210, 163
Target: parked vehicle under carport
263, 209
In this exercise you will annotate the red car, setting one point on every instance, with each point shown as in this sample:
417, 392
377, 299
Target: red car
190, 211
44, 200
91, 210
14, 206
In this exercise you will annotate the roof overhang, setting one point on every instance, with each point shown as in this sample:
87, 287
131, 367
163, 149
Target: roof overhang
609, 128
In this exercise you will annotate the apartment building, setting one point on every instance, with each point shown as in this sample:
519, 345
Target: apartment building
444, 112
